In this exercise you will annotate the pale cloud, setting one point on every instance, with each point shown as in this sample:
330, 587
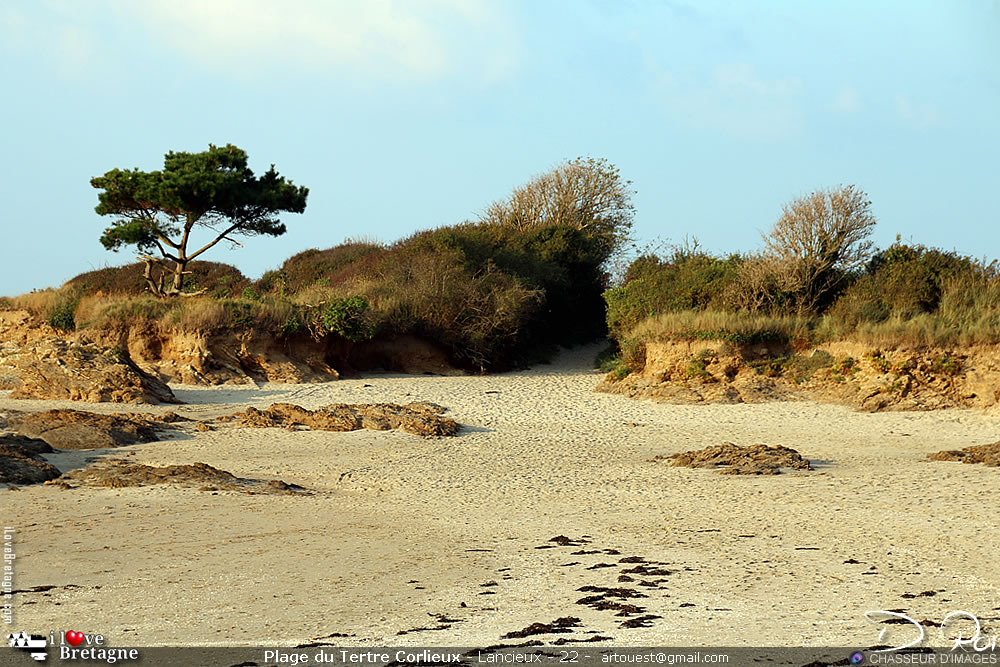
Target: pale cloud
741, 78
736, 100
384, 38
414, 40
848, 100
53, 32
915, 114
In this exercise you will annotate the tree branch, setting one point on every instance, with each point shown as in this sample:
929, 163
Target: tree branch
163, 252
209, 245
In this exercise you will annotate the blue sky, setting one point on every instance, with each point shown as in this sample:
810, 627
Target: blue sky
401, 116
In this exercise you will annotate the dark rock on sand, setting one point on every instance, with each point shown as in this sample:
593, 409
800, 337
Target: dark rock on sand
423, 419
733, 459
118, 474
76, 429
21, 463
988, 455
55, 369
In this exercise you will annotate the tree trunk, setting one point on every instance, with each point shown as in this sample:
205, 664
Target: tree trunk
178, 277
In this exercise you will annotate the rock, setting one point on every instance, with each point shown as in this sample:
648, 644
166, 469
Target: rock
119, 474
223, 357
21, 463
419, 418
54, 369
76, 429
736, 460
988, 455
30, 446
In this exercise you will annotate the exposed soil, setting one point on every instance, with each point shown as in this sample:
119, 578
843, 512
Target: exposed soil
862, 376
733, 459
131, 363
423, 419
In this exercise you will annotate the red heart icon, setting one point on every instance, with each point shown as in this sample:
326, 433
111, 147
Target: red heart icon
74, 637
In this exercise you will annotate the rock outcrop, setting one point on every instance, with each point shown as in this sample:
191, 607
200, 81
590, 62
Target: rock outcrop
119, 474
988, 455
861, 376
423, 419
250, 357
730, 459
55, 369
76, 429
21, 463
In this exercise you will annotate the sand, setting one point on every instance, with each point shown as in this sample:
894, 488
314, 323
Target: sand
439, 542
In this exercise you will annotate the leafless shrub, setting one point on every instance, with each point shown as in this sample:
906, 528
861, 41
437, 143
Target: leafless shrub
819, 238
584, 193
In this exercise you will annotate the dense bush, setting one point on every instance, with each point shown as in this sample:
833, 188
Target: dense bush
687, 279
61, 316
346, 317
904, 281
221, 280
905, 295
313, 266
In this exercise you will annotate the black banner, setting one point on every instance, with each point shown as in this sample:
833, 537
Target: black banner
495, 656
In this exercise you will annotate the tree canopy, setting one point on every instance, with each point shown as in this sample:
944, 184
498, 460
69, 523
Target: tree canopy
819, 238
156, 211
587, 194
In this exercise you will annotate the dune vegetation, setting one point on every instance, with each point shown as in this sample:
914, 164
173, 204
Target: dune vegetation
904, 296
496, 293
534, 273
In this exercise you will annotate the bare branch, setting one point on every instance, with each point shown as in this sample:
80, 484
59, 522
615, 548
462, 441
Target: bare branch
212, 243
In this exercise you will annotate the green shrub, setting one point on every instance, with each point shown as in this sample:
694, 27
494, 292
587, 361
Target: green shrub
290, 326
905, 281
946, 365
845, 367
620, 372
698, 365
686, 280
61, 316
250, 295
772, 366
346, 317
801, 368
240, 313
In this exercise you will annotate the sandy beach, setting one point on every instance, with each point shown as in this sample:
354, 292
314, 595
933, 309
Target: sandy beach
449, 542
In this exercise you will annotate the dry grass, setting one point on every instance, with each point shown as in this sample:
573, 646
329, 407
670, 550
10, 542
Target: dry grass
42, 302
920, 331
199, 314
737, 327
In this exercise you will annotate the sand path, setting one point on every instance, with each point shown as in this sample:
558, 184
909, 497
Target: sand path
405, 532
